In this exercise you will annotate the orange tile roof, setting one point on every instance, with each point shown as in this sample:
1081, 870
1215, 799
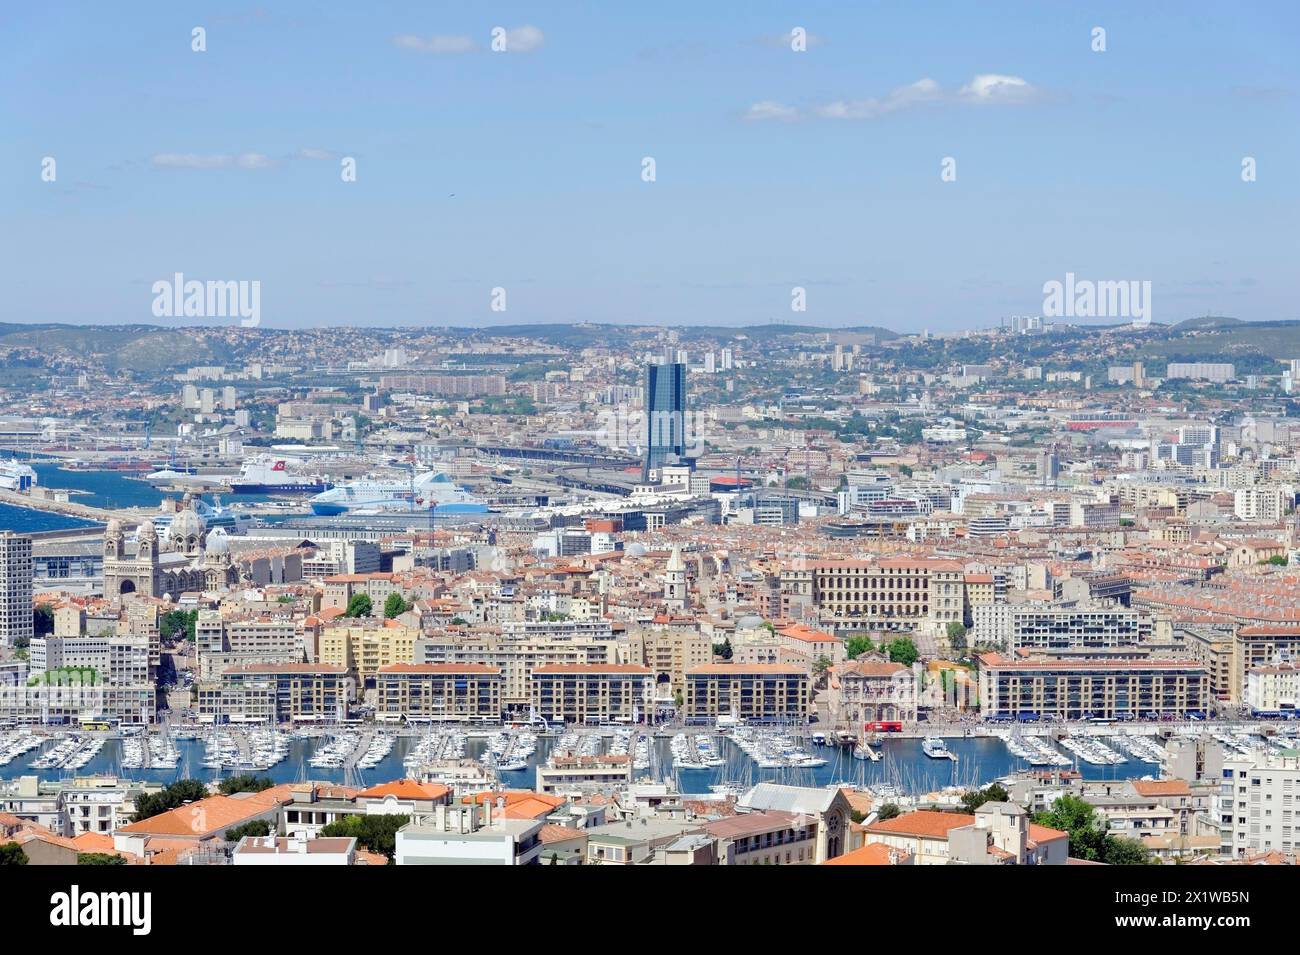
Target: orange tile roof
1163, 787
873, 853
405, 789
924, 823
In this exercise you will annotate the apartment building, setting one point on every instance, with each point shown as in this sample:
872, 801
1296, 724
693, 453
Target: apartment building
277, 693
71, 807
517, 658
364, 649
70, 702
119, 660
752, 691
996, 834
669, 652
1019, 689
16, 621
465, 692
1264, 502
1257, 805
1272, 691
1212, 647
1261, 646
592, 693
1053, 629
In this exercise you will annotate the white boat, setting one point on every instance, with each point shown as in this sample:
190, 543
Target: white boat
936, 748
376, 495
16, 477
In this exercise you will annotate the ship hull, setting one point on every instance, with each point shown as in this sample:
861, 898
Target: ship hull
302, 487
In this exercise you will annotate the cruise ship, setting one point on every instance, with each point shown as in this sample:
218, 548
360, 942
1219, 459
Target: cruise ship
16, 477
214, 516
432, 489
268, 474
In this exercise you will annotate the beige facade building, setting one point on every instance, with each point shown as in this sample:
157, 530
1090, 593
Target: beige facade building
755, 691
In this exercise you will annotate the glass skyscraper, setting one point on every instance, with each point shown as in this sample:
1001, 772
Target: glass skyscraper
665, 413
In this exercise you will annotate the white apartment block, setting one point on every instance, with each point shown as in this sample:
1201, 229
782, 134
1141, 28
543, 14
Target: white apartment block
1264, 502
15, 588
1273, 689
1257, 805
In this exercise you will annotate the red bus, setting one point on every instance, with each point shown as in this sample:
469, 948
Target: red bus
884, 726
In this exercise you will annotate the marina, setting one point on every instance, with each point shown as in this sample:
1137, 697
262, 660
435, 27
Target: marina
694, 759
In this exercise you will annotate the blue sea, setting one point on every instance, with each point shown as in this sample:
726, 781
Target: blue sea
110, 489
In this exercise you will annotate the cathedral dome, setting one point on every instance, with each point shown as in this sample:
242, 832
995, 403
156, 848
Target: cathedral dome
147, 532
218, 542
186, 524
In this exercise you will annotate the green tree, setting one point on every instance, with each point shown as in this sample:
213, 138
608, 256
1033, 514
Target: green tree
171, 797
247, 783
858, 645
395, 606
1124, 851
888, 811
957, 636
177, 624
1277, 560
11, 853
975, 798
723, 649
258, 827
376, 833
820, 666
99, 858
903, 651
359, 606
1073, 815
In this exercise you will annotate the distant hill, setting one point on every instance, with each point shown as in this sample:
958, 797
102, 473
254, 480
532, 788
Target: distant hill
1205, 322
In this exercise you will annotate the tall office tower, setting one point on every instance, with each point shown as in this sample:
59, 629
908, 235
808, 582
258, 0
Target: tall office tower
710, 363
15, 588
1049, 467
1199, 434
726, 359
665, 415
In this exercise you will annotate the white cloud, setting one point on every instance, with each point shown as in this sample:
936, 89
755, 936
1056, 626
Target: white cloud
316, 154
524, 39
437, 44
248, 160
189, 161
984, 88
768, 109
904, 97
995, 88
253, 161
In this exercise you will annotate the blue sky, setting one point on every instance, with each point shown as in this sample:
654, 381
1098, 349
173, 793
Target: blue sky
522, 169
